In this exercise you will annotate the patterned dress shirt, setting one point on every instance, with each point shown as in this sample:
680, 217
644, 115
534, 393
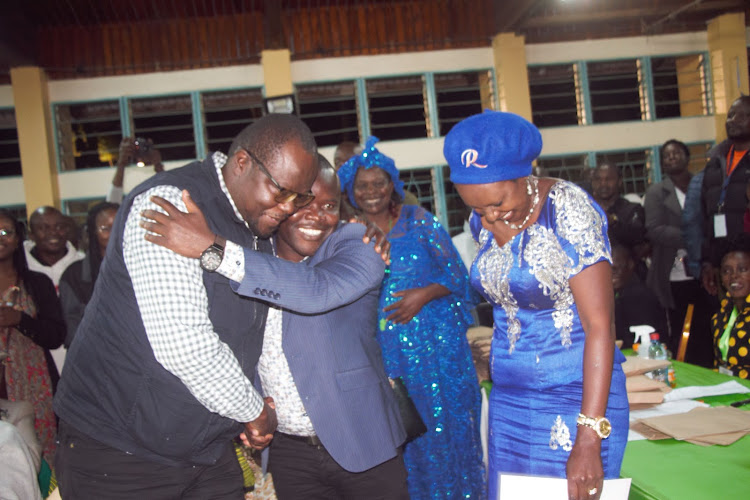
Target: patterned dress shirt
273, 367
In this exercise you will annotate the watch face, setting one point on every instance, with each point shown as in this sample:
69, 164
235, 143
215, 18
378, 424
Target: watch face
211, 259
605, 428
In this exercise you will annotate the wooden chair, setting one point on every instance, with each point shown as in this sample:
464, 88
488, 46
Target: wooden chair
685, 333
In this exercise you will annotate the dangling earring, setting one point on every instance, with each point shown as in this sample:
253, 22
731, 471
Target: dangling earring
528, 186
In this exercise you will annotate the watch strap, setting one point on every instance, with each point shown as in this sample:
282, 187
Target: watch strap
219, 244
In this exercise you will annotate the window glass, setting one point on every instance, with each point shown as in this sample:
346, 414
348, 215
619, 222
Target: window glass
88, 134
614, 88
680, 86
10, 156
460, 95
397, 108
330, 110
226, 113
553, 91
168, 122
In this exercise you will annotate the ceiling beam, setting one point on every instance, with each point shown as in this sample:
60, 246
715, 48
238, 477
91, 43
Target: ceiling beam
671, 15
510, 15
609, 14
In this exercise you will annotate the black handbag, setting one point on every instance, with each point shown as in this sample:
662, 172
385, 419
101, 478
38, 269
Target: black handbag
412, 420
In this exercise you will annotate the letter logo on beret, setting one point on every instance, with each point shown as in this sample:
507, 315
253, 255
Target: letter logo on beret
469, 158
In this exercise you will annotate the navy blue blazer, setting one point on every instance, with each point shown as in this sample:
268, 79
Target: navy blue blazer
330, 345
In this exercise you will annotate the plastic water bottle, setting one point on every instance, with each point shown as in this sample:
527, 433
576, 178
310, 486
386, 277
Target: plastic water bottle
657, 351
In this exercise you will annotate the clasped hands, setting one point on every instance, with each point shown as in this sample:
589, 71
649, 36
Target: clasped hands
259, 433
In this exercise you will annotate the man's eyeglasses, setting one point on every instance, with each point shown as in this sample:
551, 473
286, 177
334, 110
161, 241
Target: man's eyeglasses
284, 195
7, 232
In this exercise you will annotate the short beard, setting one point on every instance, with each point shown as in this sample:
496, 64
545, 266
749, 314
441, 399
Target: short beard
263, 235
743, 137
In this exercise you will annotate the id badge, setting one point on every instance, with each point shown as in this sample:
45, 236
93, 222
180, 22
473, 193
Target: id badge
720, 225
725, 371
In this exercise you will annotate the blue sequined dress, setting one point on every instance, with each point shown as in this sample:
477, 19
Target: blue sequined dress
432, 355
536, 359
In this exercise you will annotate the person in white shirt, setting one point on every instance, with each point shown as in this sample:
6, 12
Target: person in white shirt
49, 252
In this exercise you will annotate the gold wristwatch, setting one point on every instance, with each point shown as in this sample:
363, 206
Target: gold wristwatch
601, 425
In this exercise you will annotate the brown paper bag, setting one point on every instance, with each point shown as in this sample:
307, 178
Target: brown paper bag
700, 422
634, 365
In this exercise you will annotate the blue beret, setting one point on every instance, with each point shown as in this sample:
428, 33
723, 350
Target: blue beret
490, 147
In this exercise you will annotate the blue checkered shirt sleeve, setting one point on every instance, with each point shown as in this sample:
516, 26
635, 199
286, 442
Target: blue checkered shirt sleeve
172, 299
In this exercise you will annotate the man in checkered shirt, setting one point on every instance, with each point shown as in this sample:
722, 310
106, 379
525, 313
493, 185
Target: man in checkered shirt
340, 432
159, 378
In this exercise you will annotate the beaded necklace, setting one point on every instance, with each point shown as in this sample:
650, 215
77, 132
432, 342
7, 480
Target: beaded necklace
532, 187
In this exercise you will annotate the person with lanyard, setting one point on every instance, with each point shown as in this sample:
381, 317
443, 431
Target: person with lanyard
730, 324
723, 193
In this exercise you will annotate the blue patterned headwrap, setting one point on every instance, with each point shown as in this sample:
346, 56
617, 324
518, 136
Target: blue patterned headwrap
368, 158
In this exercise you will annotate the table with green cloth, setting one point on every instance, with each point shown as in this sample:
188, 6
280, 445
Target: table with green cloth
671, 469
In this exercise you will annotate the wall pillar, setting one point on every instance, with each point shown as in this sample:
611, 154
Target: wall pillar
35, 137
509, 52
728, 50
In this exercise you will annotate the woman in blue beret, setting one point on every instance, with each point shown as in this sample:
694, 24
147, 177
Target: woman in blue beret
558, 405
425, 306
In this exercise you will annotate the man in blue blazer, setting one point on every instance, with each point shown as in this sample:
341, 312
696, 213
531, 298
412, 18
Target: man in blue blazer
340, 432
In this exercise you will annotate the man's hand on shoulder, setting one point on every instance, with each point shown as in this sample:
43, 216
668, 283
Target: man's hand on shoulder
259, 433
185, 233
374, 233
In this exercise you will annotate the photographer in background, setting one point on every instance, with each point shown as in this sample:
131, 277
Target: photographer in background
133, 150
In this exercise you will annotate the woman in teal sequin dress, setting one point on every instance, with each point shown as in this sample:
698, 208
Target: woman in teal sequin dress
425, 308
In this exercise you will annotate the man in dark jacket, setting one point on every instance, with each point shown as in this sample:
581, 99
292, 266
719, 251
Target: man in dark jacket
627, 220
160, 378
723, 193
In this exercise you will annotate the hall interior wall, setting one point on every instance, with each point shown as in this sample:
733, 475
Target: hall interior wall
411, 153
